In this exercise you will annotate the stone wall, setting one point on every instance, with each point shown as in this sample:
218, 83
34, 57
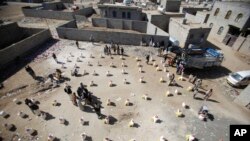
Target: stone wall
39, 12
10, 33
139, 26
23, 47
59, 15
73, 33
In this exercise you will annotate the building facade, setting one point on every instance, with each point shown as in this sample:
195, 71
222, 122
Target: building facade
229, 20
187, 32
170, 5
121, 12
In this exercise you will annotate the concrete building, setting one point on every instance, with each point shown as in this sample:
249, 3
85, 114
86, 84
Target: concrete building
229, 21
170, 5
121, 11
161, 19
187, 32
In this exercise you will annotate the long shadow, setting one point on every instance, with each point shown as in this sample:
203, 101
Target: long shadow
198, 98
18, 63
212, 100
209, 73
211, 45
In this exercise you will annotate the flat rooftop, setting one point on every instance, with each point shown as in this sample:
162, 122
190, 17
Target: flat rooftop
118, 5
189, 25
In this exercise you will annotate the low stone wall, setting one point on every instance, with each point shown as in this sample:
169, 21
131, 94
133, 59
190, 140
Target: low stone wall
10, 33
23, 47
140, 26
59, 15
39, 12
72, 33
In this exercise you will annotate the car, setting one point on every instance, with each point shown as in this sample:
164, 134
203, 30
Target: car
241, 78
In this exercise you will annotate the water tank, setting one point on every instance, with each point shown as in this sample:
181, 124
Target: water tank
127, 2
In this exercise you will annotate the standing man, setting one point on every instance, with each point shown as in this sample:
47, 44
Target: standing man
97, 108
30, 71
54, 57
91, 39
118, 49
77, 44
73, 99
147, 59
195, 93
208, 94
122, 51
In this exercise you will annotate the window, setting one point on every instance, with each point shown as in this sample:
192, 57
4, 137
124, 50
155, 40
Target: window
114, 14
123, 15
228, 14
202, 35
220, 30
216, 11
105, 13
191, 36
128, 15
211, 25
239, 16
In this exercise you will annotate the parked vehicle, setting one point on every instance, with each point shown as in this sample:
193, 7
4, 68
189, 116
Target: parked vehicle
241, 78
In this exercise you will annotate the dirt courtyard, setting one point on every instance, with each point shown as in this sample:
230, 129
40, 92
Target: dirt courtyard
223, 111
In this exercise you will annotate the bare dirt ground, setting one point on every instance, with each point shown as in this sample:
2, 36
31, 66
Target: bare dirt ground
223, 110
20, 86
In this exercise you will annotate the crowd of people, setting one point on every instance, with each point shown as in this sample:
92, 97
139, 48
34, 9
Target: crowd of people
83, 95
113, 49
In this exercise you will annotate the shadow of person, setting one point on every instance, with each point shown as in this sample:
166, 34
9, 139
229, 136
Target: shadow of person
212, 100
39, 78
49, 117
113, 120
88, 109
210, 116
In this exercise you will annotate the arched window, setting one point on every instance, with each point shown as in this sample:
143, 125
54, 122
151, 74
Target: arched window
216, 11
239, 16
228, 14
220, 30
211, 25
